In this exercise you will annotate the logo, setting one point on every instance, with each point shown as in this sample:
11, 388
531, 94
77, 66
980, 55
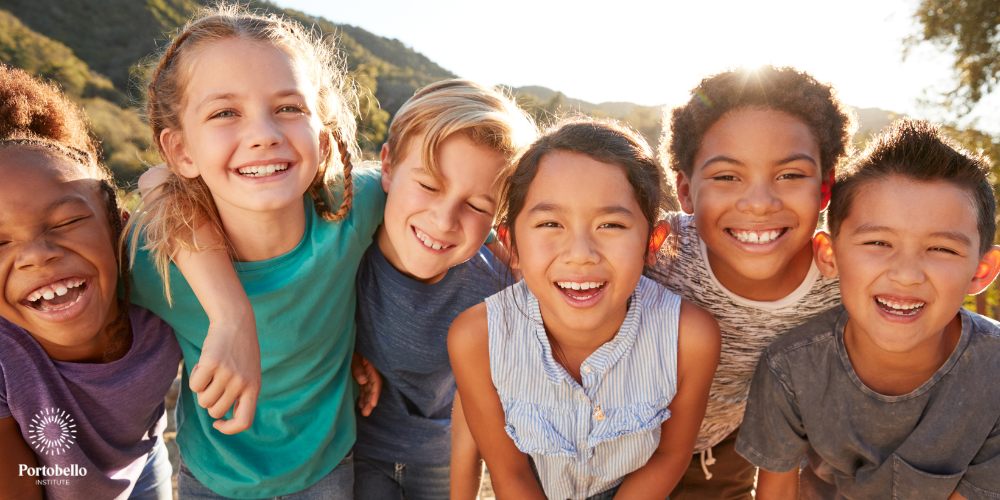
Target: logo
52, 431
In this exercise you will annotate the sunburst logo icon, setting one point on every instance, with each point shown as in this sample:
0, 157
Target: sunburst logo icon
52, 431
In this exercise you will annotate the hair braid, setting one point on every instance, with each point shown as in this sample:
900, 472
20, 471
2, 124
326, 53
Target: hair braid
345, 159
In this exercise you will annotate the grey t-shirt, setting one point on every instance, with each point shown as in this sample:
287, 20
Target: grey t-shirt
942, 437
91, 425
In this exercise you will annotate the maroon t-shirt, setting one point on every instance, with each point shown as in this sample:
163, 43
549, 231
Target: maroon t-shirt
91, 425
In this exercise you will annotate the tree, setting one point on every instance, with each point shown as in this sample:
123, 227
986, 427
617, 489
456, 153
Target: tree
969, 30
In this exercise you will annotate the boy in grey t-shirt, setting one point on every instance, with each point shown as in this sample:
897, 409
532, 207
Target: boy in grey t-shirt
892, 395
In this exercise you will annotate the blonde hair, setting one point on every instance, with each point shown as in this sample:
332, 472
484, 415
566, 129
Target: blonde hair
182, 204
489, 118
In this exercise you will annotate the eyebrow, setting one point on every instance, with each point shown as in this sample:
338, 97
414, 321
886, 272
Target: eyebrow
605, 210
226, 96
950, 235
783, 161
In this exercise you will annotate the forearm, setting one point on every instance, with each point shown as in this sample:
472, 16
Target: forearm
777, 486
515, 484
466, 463
657, 478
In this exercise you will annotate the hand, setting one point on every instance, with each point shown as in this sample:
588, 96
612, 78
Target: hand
370, 381
228, 373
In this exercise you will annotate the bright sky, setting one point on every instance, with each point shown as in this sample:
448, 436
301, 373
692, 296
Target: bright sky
653, 52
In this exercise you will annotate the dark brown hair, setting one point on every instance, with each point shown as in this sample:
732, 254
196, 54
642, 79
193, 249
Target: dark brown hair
606, 141
915, 149
37, 116
782, 89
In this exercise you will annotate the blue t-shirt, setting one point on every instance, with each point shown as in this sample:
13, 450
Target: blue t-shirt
304, 304
403, 330
95, 422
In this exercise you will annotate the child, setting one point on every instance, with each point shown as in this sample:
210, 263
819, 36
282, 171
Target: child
584, 375
82, 373
449, 148
891, 395
250, 159
753, 152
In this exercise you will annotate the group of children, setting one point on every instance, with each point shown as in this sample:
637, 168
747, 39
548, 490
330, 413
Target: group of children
603, 344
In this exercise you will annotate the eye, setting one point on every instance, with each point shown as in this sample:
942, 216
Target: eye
548, 224
226, 113
68, 222
477, 209
724, 178
791, 176
877, 243
611, 225
944, 249
425, 186
290, 109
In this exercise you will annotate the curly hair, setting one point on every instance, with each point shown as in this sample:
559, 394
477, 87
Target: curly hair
36, 116
917, 150
782, 89
170, 217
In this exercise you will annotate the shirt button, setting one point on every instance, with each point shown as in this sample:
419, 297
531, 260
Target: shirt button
586, 369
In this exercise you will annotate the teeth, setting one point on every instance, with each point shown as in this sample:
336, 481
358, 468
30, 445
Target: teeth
57, 289
263, 170
900, 307
757, 237
429, 242
579, 286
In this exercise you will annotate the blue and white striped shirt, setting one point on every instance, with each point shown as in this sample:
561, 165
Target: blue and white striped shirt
552, 418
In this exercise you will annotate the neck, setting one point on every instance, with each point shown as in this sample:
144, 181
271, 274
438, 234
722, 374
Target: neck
111, 343
898, 373
776, 287
257, 236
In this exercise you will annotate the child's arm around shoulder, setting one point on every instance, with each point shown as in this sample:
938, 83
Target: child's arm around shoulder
698, 346
16, 453
468, 348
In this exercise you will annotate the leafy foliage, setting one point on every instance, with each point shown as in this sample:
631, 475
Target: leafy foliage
970, 31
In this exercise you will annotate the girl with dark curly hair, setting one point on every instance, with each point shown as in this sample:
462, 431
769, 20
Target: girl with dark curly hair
753, 153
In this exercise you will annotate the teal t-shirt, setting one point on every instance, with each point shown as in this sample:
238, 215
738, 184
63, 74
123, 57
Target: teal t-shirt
304, 303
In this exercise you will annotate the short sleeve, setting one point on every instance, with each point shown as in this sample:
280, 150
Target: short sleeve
982, 480
772, 436
368, 205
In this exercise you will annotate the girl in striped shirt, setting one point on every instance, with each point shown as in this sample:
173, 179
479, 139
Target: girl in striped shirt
585, 379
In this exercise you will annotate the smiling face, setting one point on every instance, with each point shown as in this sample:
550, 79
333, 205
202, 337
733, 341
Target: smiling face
581, 242
56, 254
431, 226
250, 129
755, 192
906, 264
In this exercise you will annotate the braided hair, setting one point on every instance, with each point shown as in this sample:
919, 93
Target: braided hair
183, 204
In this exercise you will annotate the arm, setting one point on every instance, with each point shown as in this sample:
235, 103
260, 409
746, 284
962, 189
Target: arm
956, 496
698, 346
466, 464
468, 349
778, 486
16, 453
228, 372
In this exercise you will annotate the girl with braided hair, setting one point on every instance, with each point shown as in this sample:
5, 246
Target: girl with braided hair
83, 373
255, 119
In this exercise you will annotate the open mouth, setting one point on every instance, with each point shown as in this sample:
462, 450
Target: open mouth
757, 237
263, 170
57, 296
581, 290
430, 242
900, 307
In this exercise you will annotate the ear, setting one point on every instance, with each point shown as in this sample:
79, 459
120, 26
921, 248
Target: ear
823, 254
684, 193
324, 143
825, 190
660, 232
386, 174
986, 271
177, 157
503, 234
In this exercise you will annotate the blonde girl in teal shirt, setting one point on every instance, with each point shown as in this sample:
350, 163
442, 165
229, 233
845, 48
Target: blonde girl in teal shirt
253, 117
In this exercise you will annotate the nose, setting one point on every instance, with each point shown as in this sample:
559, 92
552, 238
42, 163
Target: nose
38, 253
906, 270
759, 198
581, 248
264, 133
444, 215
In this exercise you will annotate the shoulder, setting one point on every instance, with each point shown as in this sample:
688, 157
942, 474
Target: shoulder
819, 329
468, 337
698, 332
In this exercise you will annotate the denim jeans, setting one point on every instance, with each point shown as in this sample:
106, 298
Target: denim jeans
378, 480
154, 482
337, 485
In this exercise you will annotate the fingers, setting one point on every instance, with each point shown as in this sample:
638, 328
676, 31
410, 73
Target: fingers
375, 386
243, 413
201, 377
212, 390
224, 402
359, 368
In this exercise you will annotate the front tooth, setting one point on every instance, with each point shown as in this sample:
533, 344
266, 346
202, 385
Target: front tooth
765, 237
576, 286
34, 296
61, 290
427, 243
774, 234
48, 294
584, 286
270, 169
753, 238
436, 246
